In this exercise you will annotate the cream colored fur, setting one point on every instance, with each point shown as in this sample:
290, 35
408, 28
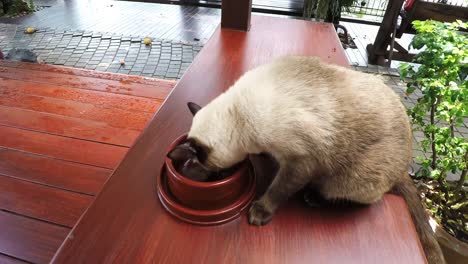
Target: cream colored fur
277, 106
342, 131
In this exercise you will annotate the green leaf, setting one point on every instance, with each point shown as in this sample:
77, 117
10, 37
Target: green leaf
410, 89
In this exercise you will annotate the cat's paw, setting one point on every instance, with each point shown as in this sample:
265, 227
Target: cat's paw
259, 214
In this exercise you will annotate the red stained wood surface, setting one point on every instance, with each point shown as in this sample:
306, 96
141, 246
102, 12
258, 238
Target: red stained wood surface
92, 153
29, 239
167, 84
84, 82
127, 224
4, 259
52, 172
114, 117
67, 126
62, 132
97, 98
56, 206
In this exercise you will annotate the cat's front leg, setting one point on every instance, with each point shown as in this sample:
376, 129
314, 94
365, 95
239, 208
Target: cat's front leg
288, 181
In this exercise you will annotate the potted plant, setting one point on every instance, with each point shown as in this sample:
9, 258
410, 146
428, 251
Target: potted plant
440, 80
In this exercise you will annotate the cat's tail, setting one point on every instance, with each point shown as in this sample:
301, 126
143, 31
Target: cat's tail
408, 191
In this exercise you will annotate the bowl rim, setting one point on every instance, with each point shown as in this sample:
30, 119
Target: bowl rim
179, 210
180, 178
245, 196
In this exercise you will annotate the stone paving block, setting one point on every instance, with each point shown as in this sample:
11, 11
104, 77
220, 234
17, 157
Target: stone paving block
72, 58
51, 61
114, 70
135, 72
152, 62
106, 61
69, 64
80, 65
124, 71
173, 69
59, 62
90, 67
147, 71
171, 75
94, 62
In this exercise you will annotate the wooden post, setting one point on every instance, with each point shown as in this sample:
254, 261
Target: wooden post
376, 52
235, 14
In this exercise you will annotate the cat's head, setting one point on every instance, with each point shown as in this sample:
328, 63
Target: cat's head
212, 132
187, 157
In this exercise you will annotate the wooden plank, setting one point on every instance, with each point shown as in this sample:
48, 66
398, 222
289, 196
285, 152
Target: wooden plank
437, 11
42, 202
52, 172
67, 126
91, 153
377, 50
102, 99
83, 82
361, 45
235, 14
114, 117
29, 239
90, 73
127, 223
4, 259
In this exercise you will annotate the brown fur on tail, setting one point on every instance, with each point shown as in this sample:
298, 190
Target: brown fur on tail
408, 191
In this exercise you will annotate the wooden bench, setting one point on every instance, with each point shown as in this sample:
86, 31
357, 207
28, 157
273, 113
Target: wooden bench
382, 51
127, 223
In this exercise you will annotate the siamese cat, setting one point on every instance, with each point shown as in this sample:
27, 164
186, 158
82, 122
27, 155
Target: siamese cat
342, 132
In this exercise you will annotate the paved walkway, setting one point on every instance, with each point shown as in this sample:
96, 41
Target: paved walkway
103, 52
127, 18
99, 34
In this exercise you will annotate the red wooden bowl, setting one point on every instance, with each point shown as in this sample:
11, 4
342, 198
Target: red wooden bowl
205, 203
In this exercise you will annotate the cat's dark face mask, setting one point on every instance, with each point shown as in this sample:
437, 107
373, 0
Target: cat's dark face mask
189, 158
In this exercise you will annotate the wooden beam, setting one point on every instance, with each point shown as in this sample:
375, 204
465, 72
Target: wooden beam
235, 14
377, 50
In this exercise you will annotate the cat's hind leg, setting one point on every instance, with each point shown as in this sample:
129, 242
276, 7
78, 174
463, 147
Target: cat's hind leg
361, 184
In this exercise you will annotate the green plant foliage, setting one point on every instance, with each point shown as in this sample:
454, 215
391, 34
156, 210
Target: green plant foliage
14, 7
441, 80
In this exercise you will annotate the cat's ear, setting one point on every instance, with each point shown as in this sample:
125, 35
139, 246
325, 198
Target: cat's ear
193, 107
181, 152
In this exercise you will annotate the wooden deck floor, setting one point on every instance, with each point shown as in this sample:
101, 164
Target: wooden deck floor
62, 132
363, 35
